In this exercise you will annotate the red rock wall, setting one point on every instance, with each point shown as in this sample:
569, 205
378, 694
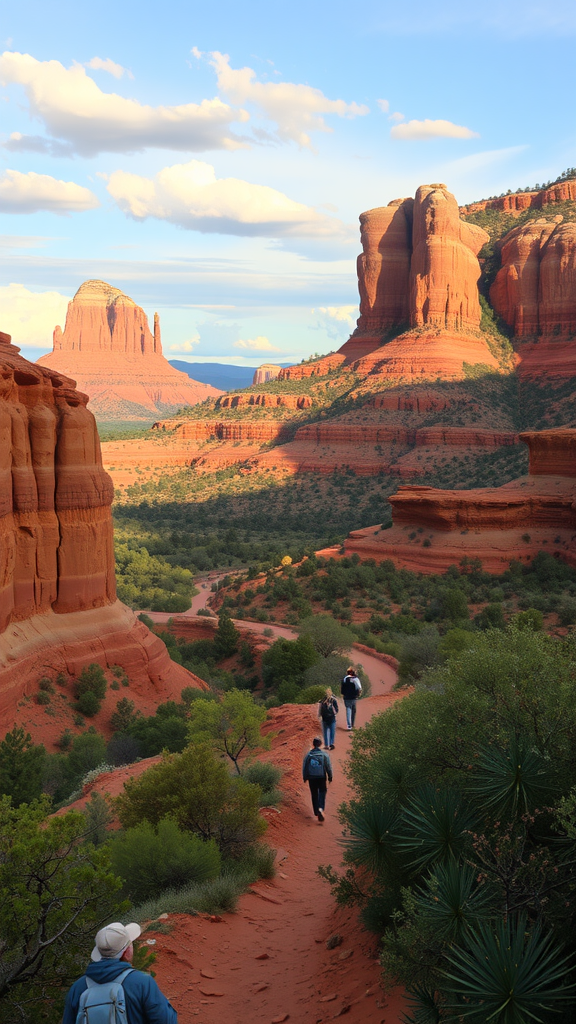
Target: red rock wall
535, 289
226, 430
552, 452
56, 547
517, 201
264, 399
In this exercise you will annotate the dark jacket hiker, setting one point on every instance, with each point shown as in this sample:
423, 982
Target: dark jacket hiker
327, 711
351, 688
317, 771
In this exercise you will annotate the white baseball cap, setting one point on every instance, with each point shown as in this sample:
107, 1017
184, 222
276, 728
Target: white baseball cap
112, 940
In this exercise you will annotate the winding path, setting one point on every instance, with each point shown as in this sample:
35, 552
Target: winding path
269, 962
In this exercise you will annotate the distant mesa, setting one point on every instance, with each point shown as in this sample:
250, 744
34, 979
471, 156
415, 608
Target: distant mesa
265, 373
433, 529
58, 605
108, 349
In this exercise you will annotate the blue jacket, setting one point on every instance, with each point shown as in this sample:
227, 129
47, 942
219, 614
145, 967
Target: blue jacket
145, 1003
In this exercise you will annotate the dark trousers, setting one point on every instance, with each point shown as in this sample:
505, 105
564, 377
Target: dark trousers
318, 793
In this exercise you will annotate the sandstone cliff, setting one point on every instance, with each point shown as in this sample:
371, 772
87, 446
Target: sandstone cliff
58, 607
265, 373
517, 202
108, 348
433, 529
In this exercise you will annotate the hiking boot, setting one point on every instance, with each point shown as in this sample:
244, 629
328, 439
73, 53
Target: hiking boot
320, 815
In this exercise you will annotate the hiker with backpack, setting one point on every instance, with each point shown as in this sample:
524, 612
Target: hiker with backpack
316, 771
327, 711
351, 689
113, 992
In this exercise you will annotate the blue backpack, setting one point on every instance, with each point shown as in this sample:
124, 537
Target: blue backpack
316, 765
104, 1004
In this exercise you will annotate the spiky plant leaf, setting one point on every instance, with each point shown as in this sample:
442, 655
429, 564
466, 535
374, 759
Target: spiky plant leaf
434, 827
452, 902
424, 1007
370, 829
507, 975
512, 782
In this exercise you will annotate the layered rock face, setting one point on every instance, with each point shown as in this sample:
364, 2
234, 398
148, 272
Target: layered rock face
444, 270
265, 373
535, 293
57, 583
516, 202
418, 268
108, 348
495, 524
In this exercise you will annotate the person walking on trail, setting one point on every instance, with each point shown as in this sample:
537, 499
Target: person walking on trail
112, 990
317, 771
351, 689
327, 711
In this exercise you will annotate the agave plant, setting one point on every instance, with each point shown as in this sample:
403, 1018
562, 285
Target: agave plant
507, 975
452, 902
434, 828
423, 1006
512, 782
370, 829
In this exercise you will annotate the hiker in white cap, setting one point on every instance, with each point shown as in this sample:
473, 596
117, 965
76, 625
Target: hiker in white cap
112, 990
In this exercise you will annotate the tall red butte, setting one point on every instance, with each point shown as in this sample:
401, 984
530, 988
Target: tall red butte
58, 605
108, 348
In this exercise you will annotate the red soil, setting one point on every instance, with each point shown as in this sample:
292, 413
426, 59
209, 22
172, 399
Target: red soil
269, 961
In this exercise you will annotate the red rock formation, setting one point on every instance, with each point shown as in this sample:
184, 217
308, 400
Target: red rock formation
444, 271
226, 430
265, 373
516, 202
383, 275
514, 294
265, 399
315, 368
535, 293
426, 355
107, 347
57, 582
495, 524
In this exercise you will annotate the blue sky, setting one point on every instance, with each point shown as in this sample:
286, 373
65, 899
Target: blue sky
212, 161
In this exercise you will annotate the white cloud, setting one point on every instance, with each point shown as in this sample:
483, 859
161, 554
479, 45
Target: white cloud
432, 130
31, 192
191, 196
336, 321
477, 161
384, 106
116, 70
196, 52
30, 317
259, 344
396, 117
185, 346
72, 107
295, 109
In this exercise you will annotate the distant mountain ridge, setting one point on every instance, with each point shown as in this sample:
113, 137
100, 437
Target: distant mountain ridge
223, 376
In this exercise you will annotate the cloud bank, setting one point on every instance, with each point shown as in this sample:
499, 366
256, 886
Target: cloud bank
431, 130
30, 193
73, 108
295, 109
30, 317
259, 344
191, 196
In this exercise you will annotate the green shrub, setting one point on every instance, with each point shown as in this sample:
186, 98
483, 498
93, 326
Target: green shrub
42, 697
150, 860
124, 716
311, 694
267, 776
194, 788
90, 689
45, 684
88, 704
21, 767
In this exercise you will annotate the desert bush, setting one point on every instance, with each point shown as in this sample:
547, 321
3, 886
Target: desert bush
231, 726
21, 767
310, 694
194, 788
151, 859
124, 716
90, 689
217, 897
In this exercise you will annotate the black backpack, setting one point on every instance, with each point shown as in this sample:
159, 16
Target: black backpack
316, 765
327, 712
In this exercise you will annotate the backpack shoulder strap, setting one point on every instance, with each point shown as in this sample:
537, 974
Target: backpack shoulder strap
117, 981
